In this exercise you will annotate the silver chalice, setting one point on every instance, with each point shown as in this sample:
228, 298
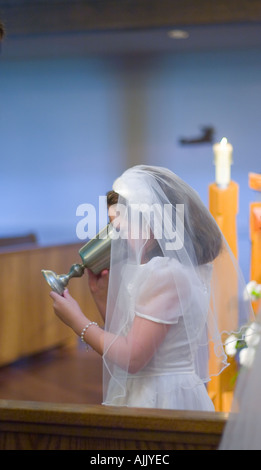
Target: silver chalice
95, 255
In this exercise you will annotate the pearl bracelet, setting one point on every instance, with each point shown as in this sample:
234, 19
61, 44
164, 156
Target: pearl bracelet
84, 330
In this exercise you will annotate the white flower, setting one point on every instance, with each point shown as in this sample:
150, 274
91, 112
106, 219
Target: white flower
251, 286
249, 289
230, 345
252, 291
246, 357
252, 335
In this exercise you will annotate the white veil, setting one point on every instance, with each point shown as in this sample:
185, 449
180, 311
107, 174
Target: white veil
160, 217
243, 429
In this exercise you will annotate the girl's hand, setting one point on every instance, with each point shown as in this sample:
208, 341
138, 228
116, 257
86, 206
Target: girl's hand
98, 283
67, 309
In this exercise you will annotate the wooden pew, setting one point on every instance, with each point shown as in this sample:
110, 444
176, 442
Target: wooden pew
49, 426
27, 322
28, 239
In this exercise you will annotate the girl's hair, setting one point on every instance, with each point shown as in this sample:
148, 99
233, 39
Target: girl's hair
112, 198
200, 229
205, 234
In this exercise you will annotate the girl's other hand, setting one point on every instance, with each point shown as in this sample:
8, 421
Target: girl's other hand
98, 284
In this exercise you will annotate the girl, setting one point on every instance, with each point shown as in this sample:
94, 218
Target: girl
170, 269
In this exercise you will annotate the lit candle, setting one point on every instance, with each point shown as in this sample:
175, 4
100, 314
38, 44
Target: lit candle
223, 161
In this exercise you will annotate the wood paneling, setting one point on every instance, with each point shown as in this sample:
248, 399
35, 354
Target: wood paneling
27, 322
41, 426
96, 15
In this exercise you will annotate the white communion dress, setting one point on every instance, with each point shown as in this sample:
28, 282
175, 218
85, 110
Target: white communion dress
169, 380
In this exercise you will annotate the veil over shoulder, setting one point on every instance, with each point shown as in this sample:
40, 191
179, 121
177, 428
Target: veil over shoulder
170, 264
243, 429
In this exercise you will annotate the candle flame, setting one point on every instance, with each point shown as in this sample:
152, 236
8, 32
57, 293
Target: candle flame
223, 141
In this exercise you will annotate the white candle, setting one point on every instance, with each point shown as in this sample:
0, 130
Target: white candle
223, 161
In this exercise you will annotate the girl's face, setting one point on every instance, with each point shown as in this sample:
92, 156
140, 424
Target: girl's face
118, 219
131, 231
112, 213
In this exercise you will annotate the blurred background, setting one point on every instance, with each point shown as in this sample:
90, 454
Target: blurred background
90, 88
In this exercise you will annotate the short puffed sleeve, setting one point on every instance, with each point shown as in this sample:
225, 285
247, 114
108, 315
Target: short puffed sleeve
162, 291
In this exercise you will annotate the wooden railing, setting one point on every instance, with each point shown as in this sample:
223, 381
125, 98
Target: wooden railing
46, 426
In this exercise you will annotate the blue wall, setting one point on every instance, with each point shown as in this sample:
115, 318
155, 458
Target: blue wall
69, 127
61, 143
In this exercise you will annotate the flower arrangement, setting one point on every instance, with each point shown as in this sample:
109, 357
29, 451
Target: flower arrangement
243, 346
253, 290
